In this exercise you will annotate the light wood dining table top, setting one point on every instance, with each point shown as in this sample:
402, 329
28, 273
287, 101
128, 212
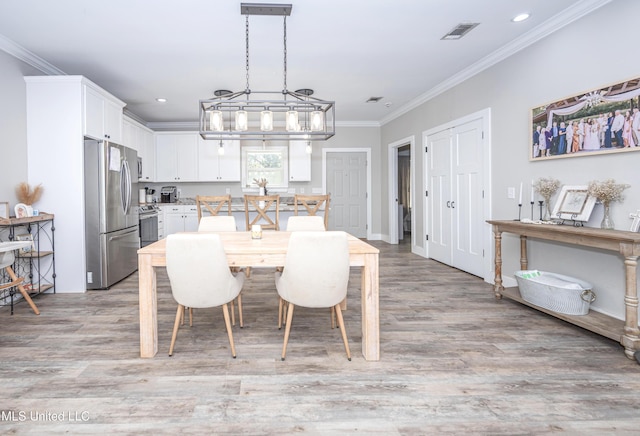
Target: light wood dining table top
269, 251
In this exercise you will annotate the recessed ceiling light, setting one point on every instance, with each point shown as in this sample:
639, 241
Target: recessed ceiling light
161, 100
520, 17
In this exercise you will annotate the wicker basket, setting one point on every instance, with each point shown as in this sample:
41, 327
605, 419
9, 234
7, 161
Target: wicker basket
555, 292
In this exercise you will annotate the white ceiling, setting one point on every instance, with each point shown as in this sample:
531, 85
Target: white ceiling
346, 50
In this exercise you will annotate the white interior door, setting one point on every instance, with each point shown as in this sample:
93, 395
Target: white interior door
439, 195
466, 207
455, 178
347, 183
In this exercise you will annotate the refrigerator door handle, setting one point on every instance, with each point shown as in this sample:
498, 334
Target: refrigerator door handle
125, 187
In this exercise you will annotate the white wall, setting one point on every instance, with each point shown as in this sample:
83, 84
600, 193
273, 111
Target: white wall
13, 125
588, 54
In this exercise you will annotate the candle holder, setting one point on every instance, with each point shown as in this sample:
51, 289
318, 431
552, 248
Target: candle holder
532, 202
541, 202
519, 212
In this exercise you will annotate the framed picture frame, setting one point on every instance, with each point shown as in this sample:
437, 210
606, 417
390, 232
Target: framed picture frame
26, 237
595, 122
4, 209
574, 203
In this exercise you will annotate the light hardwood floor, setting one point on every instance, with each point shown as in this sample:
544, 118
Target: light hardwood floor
453, 361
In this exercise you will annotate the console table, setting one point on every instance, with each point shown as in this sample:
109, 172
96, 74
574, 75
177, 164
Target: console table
625, 243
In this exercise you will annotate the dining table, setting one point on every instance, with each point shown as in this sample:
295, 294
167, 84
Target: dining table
268, 251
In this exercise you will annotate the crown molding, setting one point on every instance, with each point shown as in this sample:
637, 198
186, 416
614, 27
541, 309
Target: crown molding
553, 24
27, 57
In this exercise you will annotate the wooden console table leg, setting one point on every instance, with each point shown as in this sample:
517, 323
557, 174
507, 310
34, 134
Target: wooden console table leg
497, 286
523, 252
631, 337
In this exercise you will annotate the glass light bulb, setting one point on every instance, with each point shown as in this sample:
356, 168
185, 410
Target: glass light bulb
308, 148
266, 121
221, 149
317, 121
215, 121
292, 121
242, 121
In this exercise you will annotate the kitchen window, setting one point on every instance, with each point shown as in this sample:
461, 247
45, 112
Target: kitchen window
270, 163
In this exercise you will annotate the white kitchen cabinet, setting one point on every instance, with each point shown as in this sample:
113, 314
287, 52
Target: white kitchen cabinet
180, 218
102, 115
148, 153
177, 157
299, 162
213, 167
140, 138
56, 122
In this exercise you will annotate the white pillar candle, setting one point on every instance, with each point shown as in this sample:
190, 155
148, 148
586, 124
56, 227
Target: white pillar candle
520, 198
532, 189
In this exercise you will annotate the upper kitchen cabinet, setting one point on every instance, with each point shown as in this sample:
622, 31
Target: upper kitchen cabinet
102, 114
140, 138
176, 156
216, 167
299, 162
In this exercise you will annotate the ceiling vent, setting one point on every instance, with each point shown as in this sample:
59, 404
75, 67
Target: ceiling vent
374, 99
460, 30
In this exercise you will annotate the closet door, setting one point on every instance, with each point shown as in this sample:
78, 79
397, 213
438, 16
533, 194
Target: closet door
439, 177
455, 162
466, 198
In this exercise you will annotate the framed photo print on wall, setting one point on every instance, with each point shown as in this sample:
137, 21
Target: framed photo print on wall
605, 120
574, 203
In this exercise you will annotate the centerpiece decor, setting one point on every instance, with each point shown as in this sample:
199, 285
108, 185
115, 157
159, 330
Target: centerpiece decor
27, 197
547, 186
262, 184
607, 192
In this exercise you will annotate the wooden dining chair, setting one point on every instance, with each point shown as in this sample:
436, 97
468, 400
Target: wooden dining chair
260, 205
316, 275
313, 205
200, 278
214, 204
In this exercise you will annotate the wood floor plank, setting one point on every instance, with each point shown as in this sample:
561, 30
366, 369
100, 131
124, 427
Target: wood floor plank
453, 360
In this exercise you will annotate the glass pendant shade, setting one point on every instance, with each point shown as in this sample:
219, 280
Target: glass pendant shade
266, 121
215, 121
317, 121
242, 121
292, 121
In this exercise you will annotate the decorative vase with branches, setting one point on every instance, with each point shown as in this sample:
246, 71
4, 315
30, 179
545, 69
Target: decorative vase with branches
607, 192
546, 187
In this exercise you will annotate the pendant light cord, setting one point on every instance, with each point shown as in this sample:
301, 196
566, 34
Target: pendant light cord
247, 90
284, 89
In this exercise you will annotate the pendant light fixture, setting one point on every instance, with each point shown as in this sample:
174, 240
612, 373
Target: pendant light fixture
261, 115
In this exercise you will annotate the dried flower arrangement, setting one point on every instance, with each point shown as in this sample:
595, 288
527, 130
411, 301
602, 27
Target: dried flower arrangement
26, 195
607, 191
262, 183
546, 186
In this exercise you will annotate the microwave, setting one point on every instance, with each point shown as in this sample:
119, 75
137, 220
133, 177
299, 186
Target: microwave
139, 168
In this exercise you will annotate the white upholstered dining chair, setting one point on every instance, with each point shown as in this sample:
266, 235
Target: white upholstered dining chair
221, 223
217, 223
200, 277
316, 275
297, 224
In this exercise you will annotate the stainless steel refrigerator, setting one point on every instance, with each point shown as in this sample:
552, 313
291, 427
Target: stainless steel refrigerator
112, 237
